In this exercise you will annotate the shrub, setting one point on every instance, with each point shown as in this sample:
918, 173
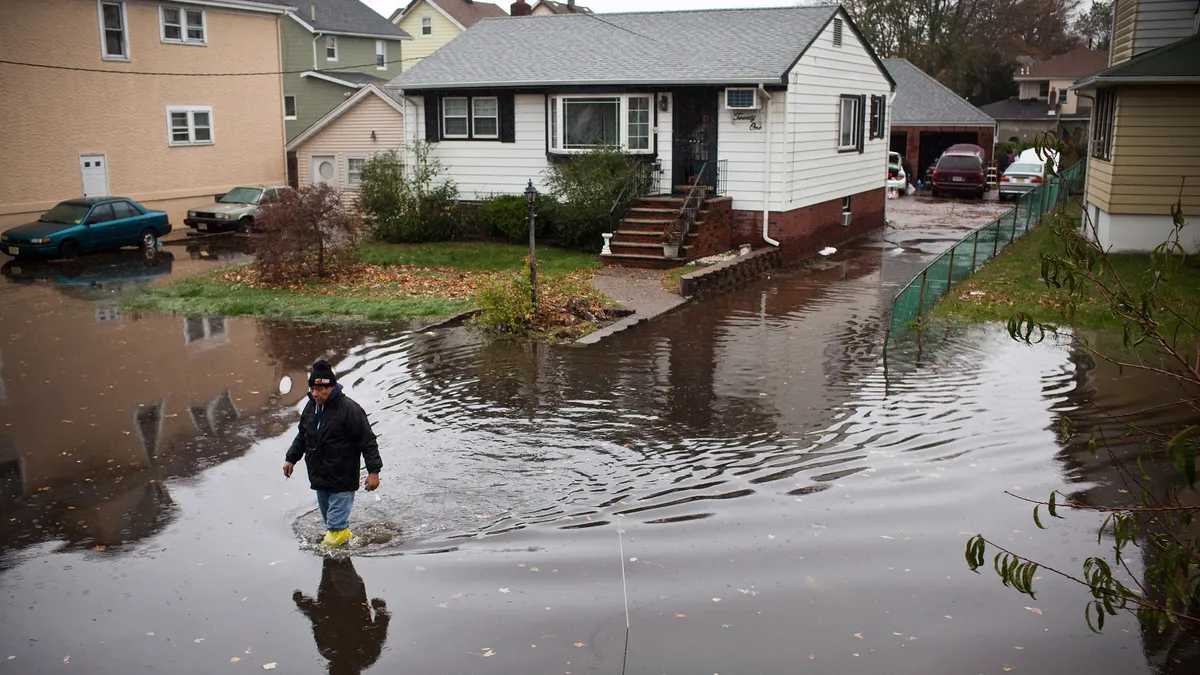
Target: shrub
306, 231
408, 205
505, 304
508, 215
585, 188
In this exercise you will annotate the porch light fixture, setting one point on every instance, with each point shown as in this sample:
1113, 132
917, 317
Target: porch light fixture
372, 135
663, 102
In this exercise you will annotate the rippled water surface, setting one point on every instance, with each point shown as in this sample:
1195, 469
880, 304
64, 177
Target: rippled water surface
744, 477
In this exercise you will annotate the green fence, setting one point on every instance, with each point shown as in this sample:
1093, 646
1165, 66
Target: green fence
968, 254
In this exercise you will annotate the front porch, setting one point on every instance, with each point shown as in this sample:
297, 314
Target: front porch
638, 239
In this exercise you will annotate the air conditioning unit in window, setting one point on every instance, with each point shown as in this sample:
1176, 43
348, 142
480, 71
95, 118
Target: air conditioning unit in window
744, 98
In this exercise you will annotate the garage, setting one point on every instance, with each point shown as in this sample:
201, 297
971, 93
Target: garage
927, 118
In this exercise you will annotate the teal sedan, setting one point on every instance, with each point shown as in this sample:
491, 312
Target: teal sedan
85, 226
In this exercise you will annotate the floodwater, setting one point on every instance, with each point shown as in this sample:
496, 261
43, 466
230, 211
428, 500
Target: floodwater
741, 483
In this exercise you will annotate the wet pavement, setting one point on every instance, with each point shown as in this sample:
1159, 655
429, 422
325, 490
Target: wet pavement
743, 480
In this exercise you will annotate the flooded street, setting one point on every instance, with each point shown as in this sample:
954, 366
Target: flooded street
742, 479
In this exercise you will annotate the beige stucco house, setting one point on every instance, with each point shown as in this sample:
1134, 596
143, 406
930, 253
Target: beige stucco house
335, 148
1145, 130
104, 106
433, 23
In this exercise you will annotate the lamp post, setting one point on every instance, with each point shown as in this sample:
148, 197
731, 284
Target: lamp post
531, 195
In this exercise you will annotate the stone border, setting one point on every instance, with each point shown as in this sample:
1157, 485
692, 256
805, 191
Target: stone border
727, 275
628, 322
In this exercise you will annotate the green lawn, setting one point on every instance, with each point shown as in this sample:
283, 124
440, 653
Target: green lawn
478, 256
1011, 282
212, 297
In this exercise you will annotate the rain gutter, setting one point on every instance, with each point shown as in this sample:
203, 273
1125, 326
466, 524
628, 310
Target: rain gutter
767, 173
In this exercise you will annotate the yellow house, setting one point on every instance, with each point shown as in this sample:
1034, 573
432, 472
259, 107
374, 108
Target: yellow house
433, 23
1145, 137
166, 103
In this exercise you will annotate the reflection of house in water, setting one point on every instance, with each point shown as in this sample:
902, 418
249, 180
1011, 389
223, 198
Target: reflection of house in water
210, 329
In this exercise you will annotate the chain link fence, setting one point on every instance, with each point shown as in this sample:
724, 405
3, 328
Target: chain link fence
968, 254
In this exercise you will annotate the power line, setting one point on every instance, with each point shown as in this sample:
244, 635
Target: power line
250, 74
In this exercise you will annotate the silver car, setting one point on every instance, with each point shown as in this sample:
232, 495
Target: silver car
235, 210
1019, 178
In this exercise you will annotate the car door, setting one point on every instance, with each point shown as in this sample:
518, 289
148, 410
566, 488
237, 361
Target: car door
127, 223
99, 234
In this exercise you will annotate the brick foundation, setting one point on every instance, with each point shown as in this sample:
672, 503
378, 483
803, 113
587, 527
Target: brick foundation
715, 234
804, 231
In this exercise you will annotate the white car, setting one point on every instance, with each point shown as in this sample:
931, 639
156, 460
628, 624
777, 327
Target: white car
896, 179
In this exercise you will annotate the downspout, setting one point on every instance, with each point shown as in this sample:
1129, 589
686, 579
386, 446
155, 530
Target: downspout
316, 36
766, 215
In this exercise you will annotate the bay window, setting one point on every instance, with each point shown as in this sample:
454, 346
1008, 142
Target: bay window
582, 123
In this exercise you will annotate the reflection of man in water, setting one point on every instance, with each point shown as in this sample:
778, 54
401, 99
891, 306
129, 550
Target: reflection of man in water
345, 632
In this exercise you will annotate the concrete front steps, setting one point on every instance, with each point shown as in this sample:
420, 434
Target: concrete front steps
638, 240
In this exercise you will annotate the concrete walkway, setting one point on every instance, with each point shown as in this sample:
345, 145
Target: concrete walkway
638, 290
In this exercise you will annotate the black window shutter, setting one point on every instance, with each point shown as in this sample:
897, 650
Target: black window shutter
862, 104
432, 110
508, 130
883, 125
874, 116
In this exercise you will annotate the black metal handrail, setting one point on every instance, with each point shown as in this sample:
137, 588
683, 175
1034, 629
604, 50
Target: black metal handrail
638, 185
683, 223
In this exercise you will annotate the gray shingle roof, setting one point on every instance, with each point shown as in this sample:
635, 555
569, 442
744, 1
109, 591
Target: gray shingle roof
688, 47
344, 16
922, 100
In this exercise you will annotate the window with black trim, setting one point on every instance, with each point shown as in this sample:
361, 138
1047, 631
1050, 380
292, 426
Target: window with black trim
849, 122
289, 107
878, 128
1102, 123
454, 117
485, 117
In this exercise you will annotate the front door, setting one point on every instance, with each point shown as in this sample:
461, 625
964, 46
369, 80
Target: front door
694, 134
94, 170
323, 169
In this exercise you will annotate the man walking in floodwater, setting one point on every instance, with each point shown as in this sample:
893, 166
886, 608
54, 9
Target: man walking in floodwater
333, 433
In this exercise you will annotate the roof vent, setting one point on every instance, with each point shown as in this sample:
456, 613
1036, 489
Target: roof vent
837, 32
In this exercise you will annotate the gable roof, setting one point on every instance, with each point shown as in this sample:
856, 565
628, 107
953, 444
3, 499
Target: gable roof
342, 17
465, 13
332, 115
1178, 62
346, 78
560, 7
923, 101
743, 46
1073, 65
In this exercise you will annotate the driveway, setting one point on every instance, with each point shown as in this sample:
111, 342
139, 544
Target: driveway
931, 225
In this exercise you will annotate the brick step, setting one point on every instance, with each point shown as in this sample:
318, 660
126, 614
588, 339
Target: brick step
643, 237
644, 248
642, 261
655, 211
646, 223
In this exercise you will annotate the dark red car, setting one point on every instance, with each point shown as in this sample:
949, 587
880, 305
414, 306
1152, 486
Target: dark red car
959, 173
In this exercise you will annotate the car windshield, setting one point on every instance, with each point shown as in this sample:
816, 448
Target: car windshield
242, 195
65, 213
1025, 168
958, 163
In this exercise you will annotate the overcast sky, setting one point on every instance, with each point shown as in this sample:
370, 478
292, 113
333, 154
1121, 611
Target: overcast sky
386, 7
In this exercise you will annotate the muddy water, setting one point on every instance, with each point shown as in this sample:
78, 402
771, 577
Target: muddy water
742, 480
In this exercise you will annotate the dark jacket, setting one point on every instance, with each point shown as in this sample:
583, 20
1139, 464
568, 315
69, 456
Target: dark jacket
331, 453
346, 633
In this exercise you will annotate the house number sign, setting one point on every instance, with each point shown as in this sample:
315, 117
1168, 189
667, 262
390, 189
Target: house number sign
752, 118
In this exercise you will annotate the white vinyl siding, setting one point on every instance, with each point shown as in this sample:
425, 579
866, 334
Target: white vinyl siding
114, 30
816, 171
189, 125
180, 25
483, 169
665, 145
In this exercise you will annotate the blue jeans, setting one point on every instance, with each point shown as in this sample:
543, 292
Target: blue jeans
335, 508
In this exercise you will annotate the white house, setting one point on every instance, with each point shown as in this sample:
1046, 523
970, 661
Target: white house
783, 110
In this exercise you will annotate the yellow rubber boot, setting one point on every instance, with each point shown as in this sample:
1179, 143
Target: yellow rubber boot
335, 538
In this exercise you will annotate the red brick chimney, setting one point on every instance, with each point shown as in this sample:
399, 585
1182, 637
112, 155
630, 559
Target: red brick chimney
520, 8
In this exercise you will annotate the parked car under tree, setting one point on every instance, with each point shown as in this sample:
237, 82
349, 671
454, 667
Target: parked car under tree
87, 225
235, 210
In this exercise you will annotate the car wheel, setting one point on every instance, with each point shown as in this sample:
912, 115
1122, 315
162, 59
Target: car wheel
245, 225
69, 249
148, 239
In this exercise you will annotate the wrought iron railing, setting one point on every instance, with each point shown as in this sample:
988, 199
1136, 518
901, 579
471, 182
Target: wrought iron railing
955, 264
722, 177
683, 223
641, 182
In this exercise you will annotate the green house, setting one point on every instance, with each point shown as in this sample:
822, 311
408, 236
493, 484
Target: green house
331, 49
